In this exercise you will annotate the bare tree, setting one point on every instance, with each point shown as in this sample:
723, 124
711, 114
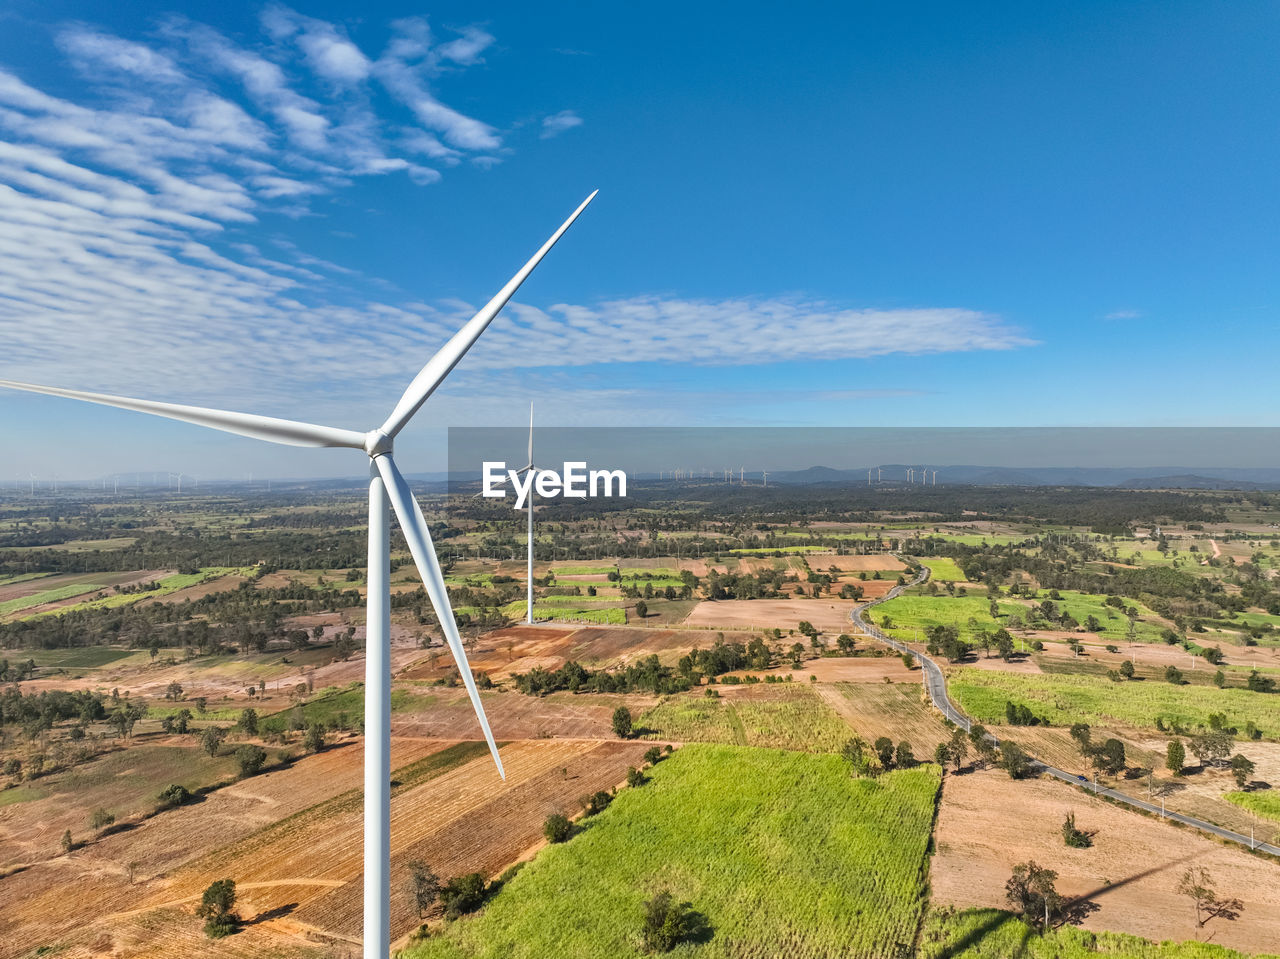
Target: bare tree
1198, 884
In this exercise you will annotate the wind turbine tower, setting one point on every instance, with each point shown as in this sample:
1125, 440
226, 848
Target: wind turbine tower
388, 491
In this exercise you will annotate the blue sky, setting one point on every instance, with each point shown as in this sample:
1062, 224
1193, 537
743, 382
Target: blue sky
990, 214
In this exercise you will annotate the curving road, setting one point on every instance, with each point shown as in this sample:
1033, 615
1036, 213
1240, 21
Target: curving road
936, 685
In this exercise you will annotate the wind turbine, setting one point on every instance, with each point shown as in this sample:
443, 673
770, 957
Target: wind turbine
765, 476
387, 490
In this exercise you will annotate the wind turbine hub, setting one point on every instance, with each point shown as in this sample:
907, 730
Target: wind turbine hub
377, 443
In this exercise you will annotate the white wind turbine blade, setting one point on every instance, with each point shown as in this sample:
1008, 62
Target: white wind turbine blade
438, 367
531, 434
288, 432
414, 527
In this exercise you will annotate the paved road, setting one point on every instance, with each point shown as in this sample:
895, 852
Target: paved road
936, 685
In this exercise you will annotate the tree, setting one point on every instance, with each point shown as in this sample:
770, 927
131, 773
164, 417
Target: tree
903, 757
1081, 733
854, 752
211, 739
249, 721
1212, 747
1073, 837
596, 802
424, 886
666, 922
1030, 891
642, 608
462, 894
1014, 760
1242, 769
884, 752
622, 722
1126, 669
1172, 674
958, 747
1109, 757
557, 827
101, 819
652, 755
1175, 757
846, 644
67, 844
1220, 679
314, 741
217, 909
1198, 885
941, 755
635, 777
251, 759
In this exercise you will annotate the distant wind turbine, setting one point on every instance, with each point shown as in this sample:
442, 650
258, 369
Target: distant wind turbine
387, 490
765, 476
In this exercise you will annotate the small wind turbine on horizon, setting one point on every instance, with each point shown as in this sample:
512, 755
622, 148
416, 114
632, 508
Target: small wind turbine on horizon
388, 491
765, 475
529, 468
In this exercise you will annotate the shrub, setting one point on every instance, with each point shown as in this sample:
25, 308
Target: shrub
462, 894
557, 827
666, 922
174, 795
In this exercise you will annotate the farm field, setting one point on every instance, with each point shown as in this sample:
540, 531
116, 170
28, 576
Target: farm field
788, 856
994, 934
827, 615
785, 716
988, 822
301, 869
896, 710
1064, 699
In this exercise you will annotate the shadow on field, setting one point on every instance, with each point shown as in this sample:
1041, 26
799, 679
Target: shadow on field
279, 912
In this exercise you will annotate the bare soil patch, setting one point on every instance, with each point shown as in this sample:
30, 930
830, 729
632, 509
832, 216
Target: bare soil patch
861, 564
827, 615
989, 822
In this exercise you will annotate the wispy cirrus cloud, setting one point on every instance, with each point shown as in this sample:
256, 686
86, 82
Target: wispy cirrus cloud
557, 123
117, 270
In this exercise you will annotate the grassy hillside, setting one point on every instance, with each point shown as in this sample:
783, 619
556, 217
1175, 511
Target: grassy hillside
782, 852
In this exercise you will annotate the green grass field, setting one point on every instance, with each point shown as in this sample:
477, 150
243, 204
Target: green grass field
994, 934
783, 853
944, 570
1265, 804
87, 657
785, 717
1067, 699
583, 570
911, 613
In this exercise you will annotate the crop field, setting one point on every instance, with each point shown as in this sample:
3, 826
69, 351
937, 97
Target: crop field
896, 710
989, 822
915, 613
827, 615
124, 782
461, 818
1064, 699
995, 934
944, 570
164, 587
785, 716
1265, 804
786, 856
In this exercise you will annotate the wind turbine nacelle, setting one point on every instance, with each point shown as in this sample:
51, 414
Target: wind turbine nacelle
574, 482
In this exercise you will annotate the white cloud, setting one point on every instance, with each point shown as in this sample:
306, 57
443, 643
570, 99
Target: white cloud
404, 69
91, 50
557, 123
329, 52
